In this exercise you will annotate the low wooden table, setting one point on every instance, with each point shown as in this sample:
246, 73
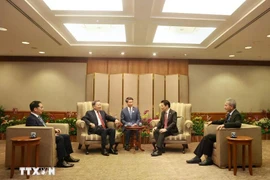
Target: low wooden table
232, 143
135, 142
23, 141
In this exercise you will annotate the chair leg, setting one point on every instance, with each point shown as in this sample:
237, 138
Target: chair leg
86, 149
80, 146
184, 148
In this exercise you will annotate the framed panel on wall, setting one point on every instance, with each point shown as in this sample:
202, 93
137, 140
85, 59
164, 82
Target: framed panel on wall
116, 94
159, 92
146, 93
130, 87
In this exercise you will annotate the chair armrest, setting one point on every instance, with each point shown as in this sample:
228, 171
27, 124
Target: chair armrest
64, 127
80, 124
111, 124
211, 129
188, 124
154, 123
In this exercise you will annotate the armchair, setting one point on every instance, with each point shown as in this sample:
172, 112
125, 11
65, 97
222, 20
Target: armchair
220, 149
184, 125
48, 154
82, 129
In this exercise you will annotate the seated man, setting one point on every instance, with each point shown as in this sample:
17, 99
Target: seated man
205, 147
165, 127
63, 144
130, 116
96, 119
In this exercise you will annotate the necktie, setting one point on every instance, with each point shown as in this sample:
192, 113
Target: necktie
41, 120
228, 117
130, 113
165, 120
101, 120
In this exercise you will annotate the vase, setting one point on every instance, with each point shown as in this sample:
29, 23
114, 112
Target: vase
2, 136
196, 138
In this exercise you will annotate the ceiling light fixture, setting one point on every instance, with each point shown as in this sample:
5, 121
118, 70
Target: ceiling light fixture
154, 54
25, 42
90, 53
185, 54
41, 52
268, 36
232, 55
122, 53
248, 47
3, 29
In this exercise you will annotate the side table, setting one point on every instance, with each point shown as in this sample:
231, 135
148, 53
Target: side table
232, 155
24, 141
136, 128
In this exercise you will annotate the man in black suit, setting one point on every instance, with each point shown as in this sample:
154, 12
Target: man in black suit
63, 144
233, 120
96, 119
165, 127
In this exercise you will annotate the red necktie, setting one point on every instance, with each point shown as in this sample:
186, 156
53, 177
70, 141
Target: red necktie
101, 120
165, 120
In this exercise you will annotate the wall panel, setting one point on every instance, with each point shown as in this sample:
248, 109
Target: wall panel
158, 66
159, 90
117, 66
176, 66
116, 94
89, 91
130, 87
97, 66
183, 88
172, 88
138, 66
101, 87
146, 93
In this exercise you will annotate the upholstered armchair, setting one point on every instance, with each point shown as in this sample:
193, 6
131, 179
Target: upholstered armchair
82, 129
48, 154
220, 149
184, 125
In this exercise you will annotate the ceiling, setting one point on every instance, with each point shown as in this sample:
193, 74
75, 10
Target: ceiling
33, 21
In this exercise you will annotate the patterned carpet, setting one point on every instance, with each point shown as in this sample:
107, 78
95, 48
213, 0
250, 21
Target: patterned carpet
140, 165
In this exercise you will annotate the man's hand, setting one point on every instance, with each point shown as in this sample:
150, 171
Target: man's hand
58, 131
220, 127
154, 129
209, 122
134, 124
117, 121
163, 130
92, 125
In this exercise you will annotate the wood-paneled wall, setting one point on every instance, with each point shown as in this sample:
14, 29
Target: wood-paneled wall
137, 66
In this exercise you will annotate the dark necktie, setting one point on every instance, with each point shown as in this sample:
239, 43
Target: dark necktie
41, 120
101, 120
228, 117
130, 113
165, 120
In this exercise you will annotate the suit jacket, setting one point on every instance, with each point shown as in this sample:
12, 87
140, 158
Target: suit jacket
231, 122
90, 116
125, 117
32, 120
172, 120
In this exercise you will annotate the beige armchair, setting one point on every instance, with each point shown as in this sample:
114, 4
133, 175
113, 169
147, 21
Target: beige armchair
220, 149
48, 154
184, 125
82, 129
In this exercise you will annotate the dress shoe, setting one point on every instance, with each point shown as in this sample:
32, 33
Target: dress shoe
136, 148
111, 151
64, 164
104, 152
156, 153
127, 148
194, 160
206, 162
71, 159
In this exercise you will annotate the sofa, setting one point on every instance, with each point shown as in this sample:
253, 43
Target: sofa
220, 149
48, 154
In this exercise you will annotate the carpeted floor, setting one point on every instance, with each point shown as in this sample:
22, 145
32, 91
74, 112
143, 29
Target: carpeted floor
140, 165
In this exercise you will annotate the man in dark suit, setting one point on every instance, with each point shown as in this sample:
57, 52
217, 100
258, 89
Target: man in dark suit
130, 116
63, 144
233, 120
165, 127
96, 119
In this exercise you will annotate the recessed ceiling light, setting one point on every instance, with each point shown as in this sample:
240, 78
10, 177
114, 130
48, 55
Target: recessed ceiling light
98, 32
41, 52
83, 5
122, 53
3, 29
185, 54
232, 55
248, 47
25, 42
268, 36
182, 34
216, 7
90, 52
154, 54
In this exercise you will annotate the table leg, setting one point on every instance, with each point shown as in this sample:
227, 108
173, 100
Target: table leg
250, 159
243, 157
229, 157
12, 161
140, 141
234, 159
22, 155
37, 155
28, 160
